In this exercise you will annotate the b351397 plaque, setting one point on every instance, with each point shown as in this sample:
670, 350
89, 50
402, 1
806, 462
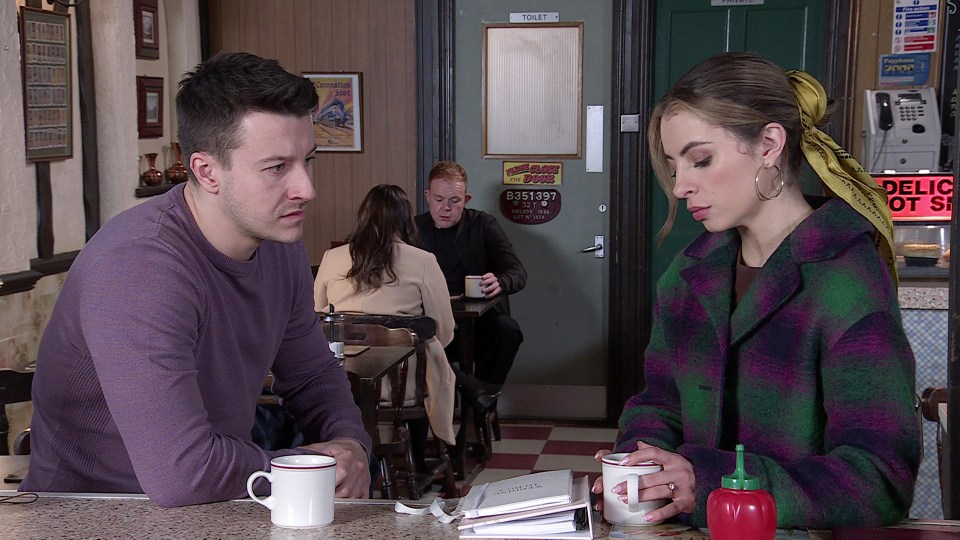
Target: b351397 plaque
530, 206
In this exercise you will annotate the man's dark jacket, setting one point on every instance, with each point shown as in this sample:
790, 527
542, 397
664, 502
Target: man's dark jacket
483, 247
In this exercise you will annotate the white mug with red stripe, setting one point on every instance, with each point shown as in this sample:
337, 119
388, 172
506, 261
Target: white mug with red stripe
302, 490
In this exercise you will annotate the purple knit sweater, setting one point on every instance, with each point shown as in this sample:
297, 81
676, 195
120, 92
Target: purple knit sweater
150, 367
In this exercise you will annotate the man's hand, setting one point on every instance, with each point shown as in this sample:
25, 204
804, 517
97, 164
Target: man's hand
490, 285
353, 467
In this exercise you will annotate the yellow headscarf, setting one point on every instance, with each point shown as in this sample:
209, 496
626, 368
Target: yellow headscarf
841, 173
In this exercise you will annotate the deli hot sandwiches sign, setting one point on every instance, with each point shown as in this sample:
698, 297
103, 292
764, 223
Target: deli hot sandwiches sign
918, 197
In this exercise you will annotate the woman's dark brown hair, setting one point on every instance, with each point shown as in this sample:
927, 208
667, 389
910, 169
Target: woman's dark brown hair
384, 218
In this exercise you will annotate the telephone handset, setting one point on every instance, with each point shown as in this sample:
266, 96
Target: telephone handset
884, 113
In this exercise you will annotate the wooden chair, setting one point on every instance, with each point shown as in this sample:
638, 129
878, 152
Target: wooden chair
391, 442
15, 387
401, 413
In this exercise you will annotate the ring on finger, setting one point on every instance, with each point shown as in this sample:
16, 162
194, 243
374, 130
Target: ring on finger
671, 486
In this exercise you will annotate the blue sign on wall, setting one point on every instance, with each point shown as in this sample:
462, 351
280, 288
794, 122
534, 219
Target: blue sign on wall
911, 69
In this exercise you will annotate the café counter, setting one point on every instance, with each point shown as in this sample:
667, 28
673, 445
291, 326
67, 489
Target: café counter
75, 515
924, 307
132, 516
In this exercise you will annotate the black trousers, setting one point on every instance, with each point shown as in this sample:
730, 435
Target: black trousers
498, 338
275, 429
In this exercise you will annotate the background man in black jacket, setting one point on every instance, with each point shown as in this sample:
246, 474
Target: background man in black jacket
471, 242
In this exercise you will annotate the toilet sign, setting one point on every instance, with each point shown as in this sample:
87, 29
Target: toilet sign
535, 17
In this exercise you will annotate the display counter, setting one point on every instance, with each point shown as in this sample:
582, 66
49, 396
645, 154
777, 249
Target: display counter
924, 311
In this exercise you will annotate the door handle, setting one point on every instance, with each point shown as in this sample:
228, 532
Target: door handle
596, 248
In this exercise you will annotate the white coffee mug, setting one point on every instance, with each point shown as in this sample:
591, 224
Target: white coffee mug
471, 287
630, 513
301, 492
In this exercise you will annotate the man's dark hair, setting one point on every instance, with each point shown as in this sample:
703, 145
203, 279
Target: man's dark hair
215, 97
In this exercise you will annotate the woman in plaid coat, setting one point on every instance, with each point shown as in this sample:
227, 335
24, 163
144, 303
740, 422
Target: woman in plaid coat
779, 327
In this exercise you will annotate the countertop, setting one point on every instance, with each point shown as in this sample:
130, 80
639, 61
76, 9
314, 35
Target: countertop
126, 516
72, 515
925, 297
129, 517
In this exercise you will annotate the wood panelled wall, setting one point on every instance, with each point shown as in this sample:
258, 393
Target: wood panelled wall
875, 40
373, 37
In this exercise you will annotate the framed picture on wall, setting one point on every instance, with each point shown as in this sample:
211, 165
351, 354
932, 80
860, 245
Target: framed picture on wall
47, 84
146, 28
150, 107
337, 125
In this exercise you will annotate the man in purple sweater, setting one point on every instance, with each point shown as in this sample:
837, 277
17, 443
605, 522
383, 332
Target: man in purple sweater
149, 370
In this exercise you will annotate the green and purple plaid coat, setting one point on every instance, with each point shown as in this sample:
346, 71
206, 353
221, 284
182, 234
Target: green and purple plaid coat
811, 371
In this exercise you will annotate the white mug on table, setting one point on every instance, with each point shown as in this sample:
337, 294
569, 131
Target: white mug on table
302, 490
632, 512
472, 288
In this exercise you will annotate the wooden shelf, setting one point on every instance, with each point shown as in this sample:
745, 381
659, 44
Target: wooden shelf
150, 191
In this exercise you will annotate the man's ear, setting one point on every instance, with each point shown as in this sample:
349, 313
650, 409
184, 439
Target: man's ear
466, 198
426, 194
772, 141
206, 169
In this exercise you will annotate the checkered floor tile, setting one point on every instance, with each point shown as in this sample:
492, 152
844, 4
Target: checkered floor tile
527, 448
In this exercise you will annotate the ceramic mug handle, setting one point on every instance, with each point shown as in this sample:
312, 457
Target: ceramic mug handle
633, 493
269, 502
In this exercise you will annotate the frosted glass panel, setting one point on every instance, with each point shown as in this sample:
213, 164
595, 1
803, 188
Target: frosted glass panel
532, 78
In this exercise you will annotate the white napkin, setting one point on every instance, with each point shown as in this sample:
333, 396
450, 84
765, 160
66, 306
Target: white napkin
446, 511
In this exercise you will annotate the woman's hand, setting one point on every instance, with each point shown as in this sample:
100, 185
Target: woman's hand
598, 484
677, 473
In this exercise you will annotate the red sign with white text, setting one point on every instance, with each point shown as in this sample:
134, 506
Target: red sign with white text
919, 197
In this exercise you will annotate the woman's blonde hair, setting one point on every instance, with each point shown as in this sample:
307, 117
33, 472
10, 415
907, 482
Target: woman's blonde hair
738, 91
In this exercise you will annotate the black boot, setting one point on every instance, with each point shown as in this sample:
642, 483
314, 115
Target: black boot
481, 395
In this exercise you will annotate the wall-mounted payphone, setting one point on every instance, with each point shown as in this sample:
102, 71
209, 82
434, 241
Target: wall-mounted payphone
901, 130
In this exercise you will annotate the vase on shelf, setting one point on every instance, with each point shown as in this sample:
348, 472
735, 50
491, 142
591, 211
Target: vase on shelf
178, 171
152, 176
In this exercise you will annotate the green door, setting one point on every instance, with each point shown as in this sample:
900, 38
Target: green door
789, 32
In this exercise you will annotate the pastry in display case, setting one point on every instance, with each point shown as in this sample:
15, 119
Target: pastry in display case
915, 254
922, 245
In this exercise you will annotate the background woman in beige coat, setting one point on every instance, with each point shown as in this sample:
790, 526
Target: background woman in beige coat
379, 272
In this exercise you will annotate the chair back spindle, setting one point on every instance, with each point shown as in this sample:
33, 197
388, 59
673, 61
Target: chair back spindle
403, 407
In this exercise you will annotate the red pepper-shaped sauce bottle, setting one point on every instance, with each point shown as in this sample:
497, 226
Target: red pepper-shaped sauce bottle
740, 509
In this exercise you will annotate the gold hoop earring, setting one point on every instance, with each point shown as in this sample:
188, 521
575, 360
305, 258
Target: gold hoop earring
756, 183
